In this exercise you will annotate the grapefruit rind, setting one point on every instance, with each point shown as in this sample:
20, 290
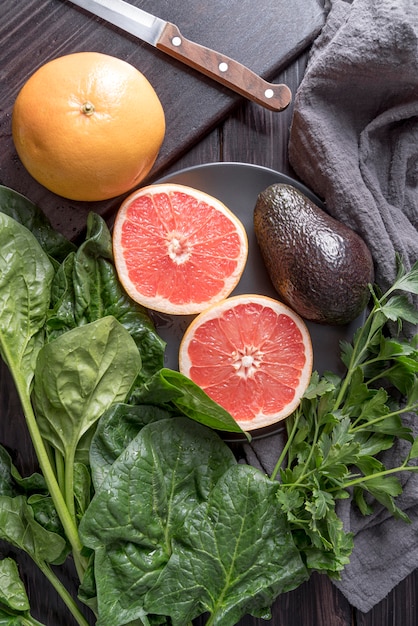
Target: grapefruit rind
207, 355
147, 248
88, 126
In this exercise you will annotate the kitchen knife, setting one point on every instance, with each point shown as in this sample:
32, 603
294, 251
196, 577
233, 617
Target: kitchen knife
166, 37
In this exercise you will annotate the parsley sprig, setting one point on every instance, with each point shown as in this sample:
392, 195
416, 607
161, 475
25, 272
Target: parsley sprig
337, 436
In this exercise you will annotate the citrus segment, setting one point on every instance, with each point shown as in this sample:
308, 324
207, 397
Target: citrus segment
88, 126
252, 355
178, 250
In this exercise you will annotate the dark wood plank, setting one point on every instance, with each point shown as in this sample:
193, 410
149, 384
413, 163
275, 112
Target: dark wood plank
263, 35
315, 603
400, 607
250, 134
255, 135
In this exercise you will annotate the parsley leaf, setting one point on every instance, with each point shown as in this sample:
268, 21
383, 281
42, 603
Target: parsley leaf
336, 437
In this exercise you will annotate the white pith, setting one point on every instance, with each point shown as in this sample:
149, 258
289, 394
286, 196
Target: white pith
247, 361
178, 248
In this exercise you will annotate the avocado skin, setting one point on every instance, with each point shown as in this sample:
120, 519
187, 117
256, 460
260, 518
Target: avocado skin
319, 266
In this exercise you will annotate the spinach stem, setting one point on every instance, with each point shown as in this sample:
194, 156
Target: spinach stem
30, 621
49, 475
59, 465
69, 484
63, 593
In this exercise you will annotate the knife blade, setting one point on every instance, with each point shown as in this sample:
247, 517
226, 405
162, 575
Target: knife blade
166, 37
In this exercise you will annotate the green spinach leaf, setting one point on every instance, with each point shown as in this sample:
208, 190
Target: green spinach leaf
165, 472
14, 602
25, 280
168, 388
12, 483
34, 489
12, 590
28, 214
86, 288
116, 428
19, 527
78, 376
232, 556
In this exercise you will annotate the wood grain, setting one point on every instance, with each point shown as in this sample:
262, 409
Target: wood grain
265, 36
250, 134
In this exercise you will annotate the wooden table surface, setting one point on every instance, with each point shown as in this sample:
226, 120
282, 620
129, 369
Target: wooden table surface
250, 134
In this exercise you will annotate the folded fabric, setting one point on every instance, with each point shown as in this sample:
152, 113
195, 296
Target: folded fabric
385, 549
354, 142
354, 136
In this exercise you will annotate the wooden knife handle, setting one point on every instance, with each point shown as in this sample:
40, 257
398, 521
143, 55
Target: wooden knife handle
224, 70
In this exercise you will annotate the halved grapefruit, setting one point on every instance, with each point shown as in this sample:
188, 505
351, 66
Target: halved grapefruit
252, 355
178, 250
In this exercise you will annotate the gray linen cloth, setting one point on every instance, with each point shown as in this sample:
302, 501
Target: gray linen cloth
354, 142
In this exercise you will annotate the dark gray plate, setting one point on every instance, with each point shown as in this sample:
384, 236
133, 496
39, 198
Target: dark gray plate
237, 185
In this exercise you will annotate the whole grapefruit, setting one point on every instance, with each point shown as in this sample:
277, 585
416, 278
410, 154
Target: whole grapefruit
88, 126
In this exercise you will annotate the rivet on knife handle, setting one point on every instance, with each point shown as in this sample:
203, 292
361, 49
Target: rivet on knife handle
223, 69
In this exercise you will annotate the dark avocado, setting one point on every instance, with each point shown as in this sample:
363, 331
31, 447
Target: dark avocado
319, 266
